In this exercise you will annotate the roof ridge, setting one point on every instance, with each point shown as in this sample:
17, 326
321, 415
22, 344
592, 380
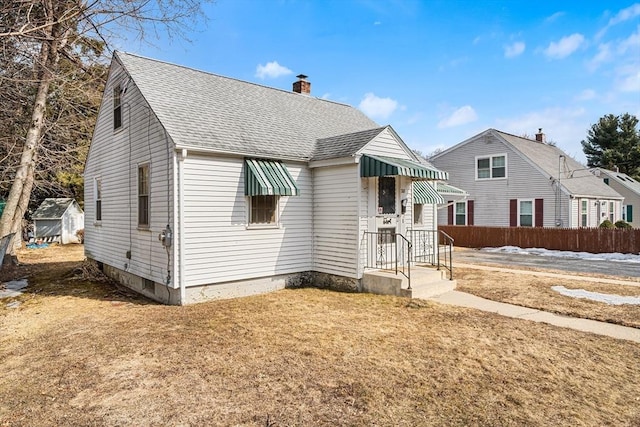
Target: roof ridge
230, 78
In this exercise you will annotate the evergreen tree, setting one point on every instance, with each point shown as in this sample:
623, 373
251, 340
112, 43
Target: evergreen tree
614, 142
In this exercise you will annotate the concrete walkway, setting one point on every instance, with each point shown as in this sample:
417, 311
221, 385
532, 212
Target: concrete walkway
463, 299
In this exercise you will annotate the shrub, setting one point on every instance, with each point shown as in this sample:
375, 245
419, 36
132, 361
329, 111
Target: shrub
622, 224
80, 235
607, 224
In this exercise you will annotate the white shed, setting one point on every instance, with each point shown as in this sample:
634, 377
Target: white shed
58, 220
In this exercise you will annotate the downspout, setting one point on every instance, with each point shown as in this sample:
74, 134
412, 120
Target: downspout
181, 239
359, 199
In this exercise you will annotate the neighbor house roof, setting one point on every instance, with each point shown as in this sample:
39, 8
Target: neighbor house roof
551, 161
201, 110
52, 208
622, 178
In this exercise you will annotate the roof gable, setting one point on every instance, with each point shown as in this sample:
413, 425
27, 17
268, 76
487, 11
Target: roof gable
52, 208
205, 111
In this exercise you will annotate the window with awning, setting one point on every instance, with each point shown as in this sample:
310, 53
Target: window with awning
268, 178
424, 194
391, 166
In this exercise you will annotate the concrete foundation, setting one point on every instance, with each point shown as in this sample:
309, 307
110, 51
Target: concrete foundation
236, 289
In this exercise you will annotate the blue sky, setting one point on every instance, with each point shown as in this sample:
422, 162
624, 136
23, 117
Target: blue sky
437, 71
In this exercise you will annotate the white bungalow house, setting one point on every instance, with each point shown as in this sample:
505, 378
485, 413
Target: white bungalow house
627, 187
516, 181
199, 186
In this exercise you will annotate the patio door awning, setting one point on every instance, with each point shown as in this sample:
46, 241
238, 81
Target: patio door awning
392, 166
268, 178
424, 194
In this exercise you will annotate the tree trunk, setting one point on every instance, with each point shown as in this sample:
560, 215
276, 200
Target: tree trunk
20, 192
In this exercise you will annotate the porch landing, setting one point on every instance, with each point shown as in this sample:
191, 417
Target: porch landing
426, 282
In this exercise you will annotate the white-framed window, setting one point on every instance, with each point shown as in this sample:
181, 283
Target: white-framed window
612, 212
491, 167
584, 213
263, 210
143, 195
417, 214
117, 107
97, 196
526, 213
461, 213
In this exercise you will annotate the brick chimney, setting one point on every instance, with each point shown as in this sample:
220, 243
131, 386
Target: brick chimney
302, 85
540, 136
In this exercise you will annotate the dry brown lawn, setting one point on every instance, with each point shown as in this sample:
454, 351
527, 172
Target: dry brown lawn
78, 352
533, 291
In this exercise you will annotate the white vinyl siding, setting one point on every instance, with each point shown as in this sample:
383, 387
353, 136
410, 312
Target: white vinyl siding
336, 224
113, 159
385, 144
219, 247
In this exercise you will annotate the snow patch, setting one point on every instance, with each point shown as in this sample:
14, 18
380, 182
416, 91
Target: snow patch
13, 288
615, 257
610, 299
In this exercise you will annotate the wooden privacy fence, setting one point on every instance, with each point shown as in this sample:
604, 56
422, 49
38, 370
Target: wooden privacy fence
594, 240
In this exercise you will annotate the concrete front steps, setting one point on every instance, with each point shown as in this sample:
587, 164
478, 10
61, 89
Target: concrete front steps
426, 282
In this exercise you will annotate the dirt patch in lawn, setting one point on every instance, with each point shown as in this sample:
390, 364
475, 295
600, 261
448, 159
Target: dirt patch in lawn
535, 292
79, 352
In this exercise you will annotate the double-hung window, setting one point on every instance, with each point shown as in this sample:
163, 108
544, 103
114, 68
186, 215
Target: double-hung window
584, 213
525, 213
143, 196
461, 213
491, 167
97, 192
612, 212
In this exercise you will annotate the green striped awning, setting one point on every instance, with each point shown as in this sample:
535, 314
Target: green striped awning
424, 194
448, 189
268, 178
391, 166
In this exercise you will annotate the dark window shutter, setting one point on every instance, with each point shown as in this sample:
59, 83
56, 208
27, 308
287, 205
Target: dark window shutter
629, 213
513, 213
450, 213
539, 212
469, 212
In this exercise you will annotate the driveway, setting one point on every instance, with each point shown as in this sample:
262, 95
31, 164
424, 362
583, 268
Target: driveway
610, 268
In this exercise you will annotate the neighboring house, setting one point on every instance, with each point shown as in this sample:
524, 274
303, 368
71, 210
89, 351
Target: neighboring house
199, 186
58, 220
627, 187
516, 181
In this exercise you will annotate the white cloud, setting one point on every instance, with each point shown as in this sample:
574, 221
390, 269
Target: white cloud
586, 95
554, 17
565, 47
326, 96
377, 23
376, 107
271, 70
513, 50
604, 55
461, 116
629, 80
622, 16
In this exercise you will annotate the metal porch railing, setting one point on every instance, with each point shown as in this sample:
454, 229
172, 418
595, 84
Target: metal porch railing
434, 247
392, 252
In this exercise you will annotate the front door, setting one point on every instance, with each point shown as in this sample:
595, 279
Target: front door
384, 213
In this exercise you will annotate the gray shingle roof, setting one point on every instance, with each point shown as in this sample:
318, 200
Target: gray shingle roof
52, 208
575, 177
203, 110
343, 145
622, 178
